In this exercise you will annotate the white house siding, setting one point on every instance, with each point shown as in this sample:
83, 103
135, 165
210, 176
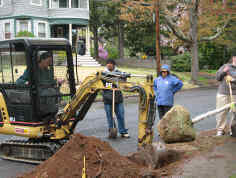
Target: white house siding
1, 30
68, 13
24, 7
36, 22
7, 8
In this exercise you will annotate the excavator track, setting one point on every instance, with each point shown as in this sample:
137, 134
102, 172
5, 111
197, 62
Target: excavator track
28, 151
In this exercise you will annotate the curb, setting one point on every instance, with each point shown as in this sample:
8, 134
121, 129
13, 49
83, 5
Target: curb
182, 90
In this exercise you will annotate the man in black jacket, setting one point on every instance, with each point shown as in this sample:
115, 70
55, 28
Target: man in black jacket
119, 106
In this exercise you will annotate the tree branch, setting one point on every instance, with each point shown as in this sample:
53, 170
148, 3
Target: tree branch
219, 32
175, 29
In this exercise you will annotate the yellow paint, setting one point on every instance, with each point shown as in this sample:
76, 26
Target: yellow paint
84, 170
3, 109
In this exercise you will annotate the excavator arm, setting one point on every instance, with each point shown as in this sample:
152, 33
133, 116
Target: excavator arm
87, 92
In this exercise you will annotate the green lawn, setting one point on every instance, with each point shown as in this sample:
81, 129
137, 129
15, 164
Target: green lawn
60, 72
184, 76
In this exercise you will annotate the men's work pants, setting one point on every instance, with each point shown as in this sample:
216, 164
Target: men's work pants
120, 116
221, 118
162, 110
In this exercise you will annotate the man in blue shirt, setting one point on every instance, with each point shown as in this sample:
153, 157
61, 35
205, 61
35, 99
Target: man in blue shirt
165, 87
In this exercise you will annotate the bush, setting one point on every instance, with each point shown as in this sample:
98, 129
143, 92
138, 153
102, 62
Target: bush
92, 52
214, 55
113, 53
24, 34
181, 63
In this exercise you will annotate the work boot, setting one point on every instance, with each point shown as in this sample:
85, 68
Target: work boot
125, 135
219, 133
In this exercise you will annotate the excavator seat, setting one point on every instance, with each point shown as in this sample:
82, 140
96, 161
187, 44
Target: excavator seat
18, 96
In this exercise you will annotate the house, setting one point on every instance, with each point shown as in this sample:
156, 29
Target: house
45, 18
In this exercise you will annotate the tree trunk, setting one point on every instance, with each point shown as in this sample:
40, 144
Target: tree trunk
194, 46
95, 42
121, 40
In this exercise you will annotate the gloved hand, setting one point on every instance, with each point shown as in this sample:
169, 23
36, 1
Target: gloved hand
228, 78
232, 107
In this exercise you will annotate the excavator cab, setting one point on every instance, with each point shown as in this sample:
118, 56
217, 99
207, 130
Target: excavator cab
36, 80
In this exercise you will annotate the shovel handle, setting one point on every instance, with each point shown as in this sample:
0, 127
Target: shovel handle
113, 103
230, 92
231, 97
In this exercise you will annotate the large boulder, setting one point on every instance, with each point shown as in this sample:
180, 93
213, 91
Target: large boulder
176, 126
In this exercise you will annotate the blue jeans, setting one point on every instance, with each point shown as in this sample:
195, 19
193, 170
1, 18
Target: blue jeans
120, 115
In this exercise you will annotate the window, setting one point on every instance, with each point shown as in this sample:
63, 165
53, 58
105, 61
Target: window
84, 4
47, 4
79, 4
59, 4
63, 4
36, 2
75, 3
7, 31
42, 30
23, 25
13, 62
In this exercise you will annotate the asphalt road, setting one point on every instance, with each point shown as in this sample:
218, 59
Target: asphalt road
196, 101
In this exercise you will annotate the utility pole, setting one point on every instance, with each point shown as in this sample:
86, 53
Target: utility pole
157, 23
158, 56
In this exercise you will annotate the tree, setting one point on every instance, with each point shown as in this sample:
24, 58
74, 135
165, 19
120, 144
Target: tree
117, 25
188, 21
105, 23
215, 20
95, 22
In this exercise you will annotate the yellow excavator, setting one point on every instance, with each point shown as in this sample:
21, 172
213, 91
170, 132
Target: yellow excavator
45, 111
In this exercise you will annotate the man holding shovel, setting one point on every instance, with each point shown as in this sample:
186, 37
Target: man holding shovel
226, 94
113, 103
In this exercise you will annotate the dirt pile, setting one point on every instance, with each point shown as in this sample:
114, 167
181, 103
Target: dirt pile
101, 161
104, 162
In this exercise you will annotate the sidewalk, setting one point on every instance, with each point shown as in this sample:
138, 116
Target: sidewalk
219, 162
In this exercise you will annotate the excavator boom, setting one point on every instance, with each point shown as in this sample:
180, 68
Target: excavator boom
87, 93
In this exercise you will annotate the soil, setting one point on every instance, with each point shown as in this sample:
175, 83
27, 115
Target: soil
103, 161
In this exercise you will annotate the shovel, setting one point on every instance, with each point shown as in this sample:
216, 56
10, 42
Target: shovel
232, 122
113, 131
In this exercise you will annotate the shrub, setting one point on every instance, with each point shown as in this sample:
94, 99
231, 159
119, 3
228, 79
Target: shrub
24, 34
181, 63
92, 52
214, 55
113, 53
